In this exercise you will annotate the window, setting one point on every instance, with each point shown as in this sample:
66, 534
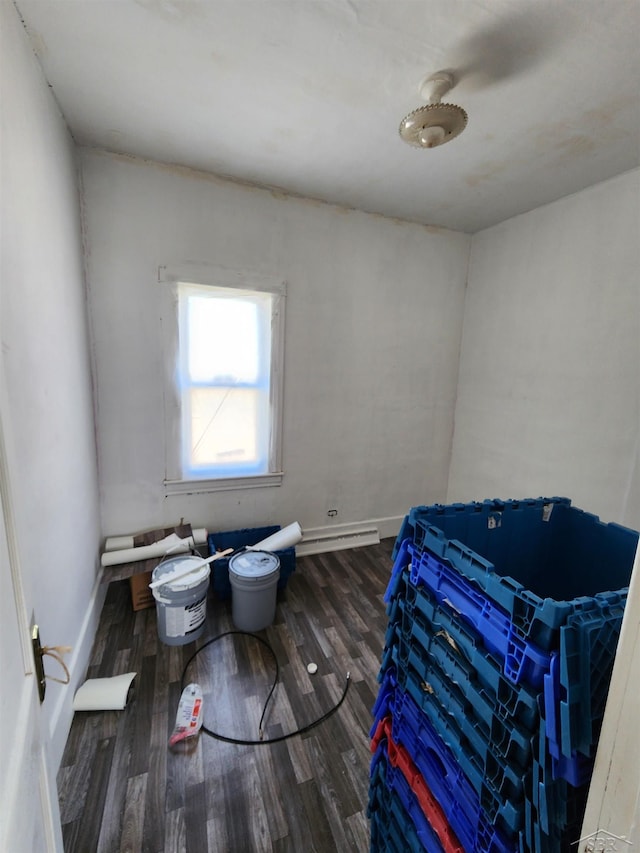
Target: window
225, 358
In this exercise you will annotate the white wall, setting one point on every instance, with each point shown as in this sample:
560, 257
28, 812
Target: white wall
44, 359
374, 311
549, 384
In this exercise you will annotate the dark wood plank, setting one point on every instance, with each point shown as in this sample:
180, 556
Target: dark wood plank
155, 809
175, 839
318, 835
195, 817
86, 838
134, 813
144, 692
74, 778
176, 759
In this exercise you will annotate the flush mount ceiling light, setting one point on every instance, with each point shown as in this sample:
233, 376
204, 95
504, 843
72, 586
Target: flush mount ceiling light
435, 123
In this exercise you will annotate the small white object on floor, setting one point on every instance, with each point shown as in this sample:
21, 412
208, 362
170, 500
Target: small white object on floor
312, 668
103, 694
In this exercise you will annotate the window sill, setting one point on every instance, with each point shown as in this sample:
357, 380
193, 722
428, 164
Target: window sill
223, 484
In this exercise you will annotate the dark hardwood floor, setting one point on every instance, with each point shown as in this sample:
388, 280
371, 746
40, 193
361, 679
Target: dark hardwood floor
122, 789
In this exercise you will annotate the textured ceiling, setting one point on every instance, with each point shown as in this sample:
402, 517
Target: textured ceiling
307, 95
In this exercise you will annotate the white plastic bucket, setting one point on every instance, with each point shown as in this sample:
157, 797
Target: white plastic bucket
181, 605
254, 579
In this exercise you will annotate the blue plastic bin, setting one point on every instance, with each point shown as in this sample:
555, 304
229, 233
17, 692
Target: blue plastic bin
420, 611
588, 645
392, 831
445, 778
434, 661
498, 766
504, 618
392, 828
397, 784
495, 793
532, 557
524, 661
554, 809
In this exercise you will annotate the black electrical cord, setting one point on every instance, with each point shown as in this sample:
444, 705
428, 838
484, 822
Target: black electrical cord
239, 741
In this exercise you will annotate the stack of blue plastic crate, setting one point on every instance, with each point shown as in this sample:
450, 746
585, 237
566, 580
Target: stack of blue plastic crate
504, 618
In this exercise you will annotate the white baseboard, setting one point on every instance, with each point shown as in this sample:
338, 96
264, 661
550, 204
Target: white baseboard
62, 715
337, 537
389, 527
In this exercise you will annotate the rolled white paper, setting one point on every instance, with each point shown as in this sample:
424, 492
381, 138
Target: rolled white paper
200, 535
280, 540
103, 694
118, 543
166, 547
121, 543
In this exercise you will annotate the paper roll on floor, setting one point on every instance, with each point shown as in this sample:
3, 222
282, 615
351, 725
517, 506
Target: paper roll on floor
103, 694
119, 543
169, 546
285, 538
123, 543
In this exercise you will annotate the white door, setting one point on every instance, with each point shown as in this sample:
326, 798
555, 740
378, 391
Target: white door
29, 814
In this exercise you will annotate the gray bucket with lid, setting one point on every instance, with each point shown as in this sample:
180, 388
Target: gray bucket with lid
254, 579
181, 605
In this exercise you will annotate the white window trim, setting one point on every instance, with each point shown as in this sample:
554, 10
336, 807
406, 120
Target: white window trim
209, 274
198, 487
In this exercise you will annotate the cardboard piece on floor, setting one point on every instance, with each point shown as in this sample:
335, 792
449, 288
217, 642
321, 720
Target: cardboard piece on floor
103, 694
141, 596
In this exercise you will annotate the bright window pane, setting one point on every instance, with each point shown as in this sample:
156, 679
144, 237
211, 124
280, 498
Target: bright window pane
224, 376
226, 427
223, 340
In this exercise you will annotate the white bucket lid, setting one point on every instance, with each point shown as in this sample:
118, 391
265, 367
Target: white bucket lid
193, 579
254, 565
